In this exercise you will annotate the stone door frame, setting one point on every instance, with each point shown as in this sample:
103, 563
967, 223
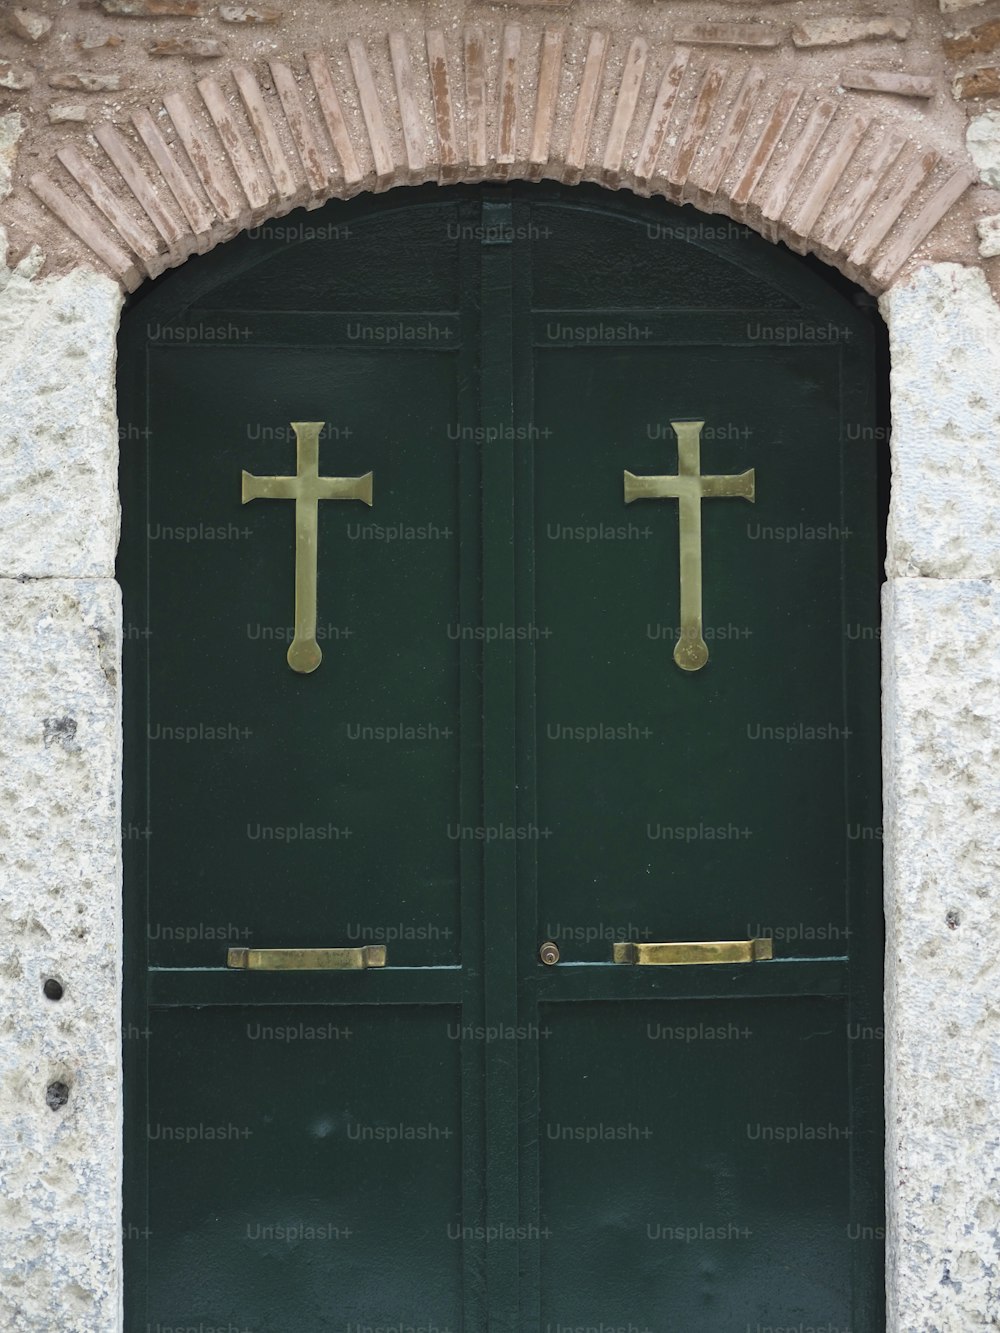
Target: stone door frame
492, 101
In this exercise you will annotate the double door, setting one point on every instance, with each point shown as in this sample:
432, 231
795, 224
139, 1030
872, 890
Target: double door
561, 718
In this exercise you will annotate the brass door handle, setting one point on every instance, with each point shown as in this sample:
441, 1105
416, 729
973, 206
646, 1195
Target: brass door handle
677, 953
302, 960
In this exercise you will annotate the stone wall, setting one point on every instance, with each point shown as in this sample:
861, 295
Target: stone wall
141, 130
941, 748
133, 132
60, 826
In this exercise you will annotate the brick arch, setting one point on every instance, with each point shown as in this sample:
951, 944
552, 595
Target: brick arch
811, 167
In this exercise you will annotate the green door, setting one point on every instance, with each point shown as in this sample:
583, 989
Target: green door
563, 715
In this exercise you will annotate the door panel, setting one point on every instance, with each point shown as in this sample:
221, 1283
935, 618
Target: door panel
704, 805
498, 749
311, 784
335, 1197
350, 261
272, 809
691, 805
651, 1221
589, 257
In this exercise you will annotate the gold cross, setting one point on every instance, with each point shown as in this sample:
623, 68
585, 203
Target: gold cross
689, 487
306, 488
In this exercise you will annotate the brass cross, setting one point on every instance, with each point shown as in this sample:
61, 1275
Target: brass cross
689, 487
306, 488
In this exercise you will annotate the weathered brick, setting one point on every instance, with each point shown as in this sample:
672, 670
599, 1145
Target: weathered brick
194, 48
730, 34
95, 42
86, 82
843, 31
900, 82
719, 127
981, 82
980, 40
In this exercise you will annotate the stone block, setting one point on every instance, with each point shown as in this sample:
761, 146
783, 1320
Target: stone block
192, 48
11, 129
981, 82
60, 919
58, 432
942, 762
979, 40
983, 141
900, 82
944, 517
81, 81
15, 78
154, 9
249, 14
60, 113
988, 231
29, 24
843, 31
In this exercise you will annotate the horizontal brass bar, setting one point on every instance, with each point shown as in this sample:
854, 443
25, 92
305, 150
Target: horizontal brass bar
308, 960
681, 952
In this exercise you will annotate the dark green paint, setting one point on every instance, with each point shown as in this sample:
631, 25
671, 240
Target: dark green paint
692, 1150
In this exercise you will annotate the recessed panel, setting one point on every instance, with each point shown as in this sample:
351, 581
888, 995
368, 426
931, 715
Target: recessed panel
291, 809
705, 803
589, 259
695, 1166
338, 259
304, 1168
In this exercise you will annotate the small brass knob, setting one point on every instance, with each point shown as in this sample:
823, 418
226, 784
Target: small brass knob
549, 952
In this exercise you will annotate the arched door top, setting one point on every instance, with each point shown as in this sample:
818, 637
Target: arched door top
802, 165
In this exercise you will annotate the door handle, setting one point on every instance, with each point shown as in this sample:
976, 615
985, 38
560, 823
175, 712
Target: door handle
307, 960
675, 954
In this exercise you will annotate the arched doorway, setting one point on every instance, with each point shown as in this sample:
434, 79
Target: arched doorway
564, 715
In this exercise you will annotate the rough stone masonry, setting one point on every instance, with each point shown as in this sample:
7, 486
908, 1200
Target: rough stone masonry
134, 133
